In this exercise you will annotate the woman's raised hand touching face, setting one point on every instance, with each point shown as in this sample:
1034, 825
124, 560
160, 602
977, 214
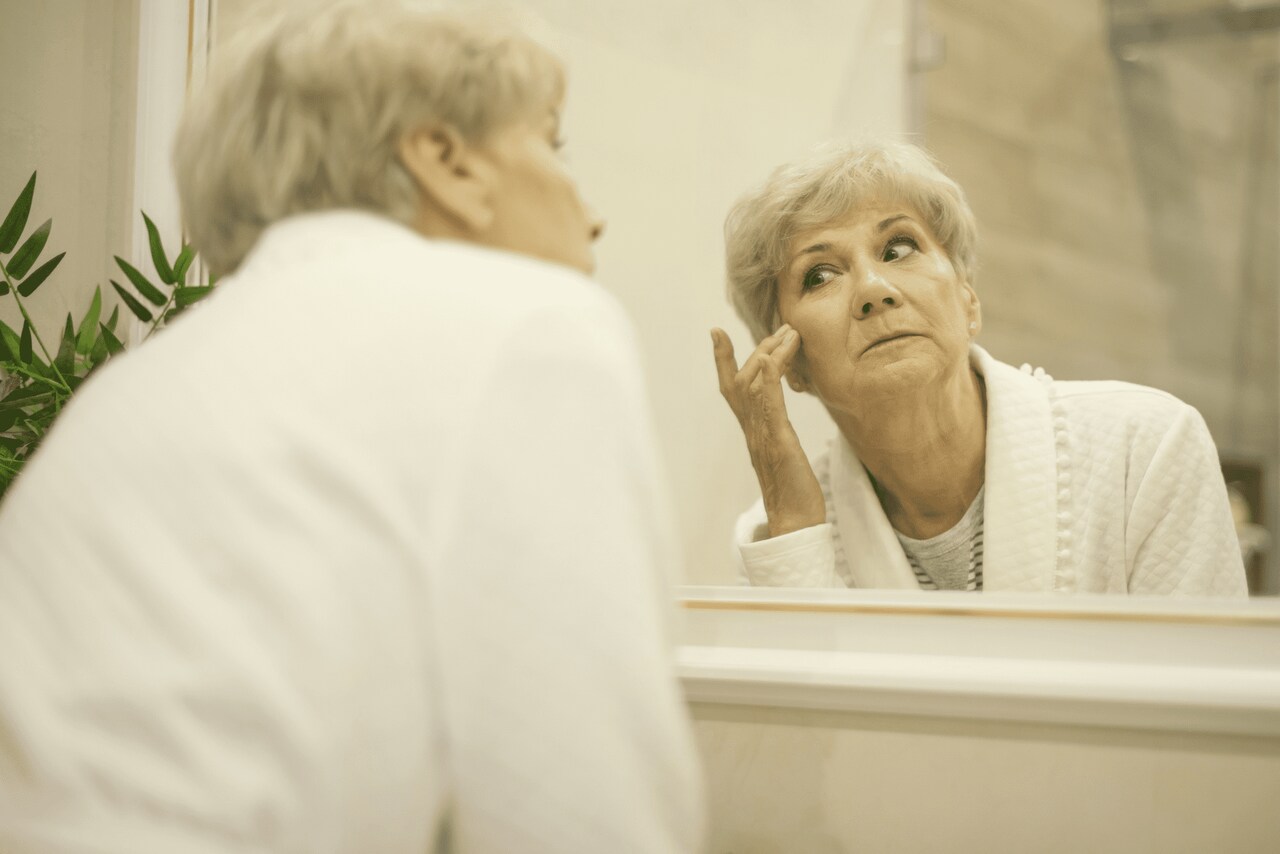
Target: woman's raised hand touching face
792, 497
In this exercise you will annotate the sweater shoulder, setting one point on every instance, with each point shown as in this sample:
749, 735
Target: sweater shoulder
1107, 404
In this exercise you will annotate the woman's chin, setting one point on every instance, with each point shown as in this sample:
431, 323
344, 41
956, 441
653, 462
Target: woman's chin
883, 379
888, 373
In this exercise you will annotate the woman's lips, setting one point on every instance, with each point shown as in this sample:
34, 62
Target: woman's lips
900, 336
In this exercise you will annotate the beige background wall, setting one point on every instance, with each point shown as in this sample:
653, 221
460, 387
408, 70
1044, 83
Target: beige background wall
825, 782
68, 112
674, 109
1127, 207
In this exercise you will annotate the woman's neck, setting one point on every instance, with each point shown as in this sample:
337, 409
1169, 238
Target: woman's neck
925, 450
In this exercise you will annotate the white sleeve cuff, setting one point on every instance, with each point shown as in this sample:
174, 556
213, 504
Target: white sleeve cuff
803, 558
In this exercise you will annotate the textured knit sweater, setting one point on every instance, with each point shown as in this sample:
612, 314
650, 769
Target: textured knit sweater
1097, 487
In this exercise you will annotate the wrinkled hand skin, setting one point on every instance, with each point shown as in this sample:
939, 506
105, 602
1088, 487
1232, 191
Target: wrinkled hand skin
792, 497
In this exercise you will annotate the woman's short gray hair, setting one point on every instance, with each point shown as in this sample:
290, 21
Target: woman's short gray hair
819, 189
305, 112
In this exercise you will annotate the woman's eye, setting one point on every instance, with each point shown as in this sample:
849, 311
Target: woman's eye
817, 277
899, 248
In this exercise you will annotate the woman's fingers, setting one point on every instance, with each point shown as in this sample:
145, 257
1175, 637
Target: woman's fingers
785, 353
766, 356
792, 497
727, 369
726, 364
765, 366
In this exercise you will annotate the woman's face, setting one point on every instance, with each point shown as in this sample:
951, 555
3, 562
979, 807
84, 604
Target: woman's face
535, 202
877, 304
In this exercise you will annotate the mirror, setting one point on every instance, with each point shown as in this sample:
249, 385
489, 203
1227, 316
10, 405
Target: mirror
1120, 157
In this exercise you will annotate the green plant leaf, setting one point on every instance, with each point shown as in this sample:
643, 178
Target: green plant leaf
39, 369
113, 319
185, 296
112, 343
7, 419
24, 344
28, 286
66, 356
98, 353
10, 339
157, 252
16, 220
148, 290
4, 288
41, 419
37, 377
183, 263
24, 396
29, 251
88, 335
28, 397
139, 310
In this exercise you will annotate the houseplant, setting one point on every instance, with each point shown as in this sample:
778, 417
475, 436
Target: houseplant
36, 381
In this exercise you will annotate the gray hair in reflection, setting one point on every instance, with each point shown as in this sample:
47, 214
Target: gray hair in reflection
821, 188
304, 111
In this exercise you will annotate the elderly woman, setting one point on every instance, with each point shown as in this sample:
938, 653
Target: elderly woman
854, 271
366, 554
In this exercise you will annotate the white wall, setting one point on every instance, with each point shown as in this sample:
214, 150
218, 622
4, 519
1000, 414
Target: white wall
68, 112
819, 782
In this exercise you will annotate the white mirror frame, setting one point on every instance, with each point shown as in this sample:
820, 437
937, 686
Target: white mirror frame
173, 45
1152, 664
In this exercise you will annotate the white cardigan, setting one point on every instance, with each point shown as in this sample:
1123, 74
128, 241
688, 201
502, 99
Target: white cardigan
367, 552
1097, 487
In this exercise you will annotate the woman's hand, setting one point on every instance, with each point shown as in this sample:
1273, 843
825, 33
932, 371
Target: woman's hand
792, 497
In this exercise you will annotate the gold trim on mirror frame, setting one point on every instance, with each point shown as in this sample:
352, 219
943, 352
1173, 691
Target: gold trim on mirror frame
1021, 613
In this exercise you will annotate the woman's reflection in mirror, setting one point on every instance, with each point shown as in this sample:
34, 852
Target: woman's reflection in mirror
854, 270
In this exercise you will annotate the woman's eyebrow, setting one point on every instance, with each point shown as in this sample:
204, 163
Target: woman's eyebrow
823, 247
808, 250
815, 248
885, 223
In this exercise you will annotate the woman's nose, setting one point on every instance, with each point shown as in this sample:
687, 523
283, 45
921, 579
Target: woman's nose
875, 296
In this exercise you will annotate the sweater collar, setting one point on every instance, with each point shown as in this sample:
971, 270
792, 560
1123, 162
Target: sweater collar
1021, 501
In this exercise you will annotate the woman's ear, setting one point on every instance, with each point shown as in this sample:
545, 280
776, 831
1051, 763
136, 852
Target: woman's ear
453, 182
973, 310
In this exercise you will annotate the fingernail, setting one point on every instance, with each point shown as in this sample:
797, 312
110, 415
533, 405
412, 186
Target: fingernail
784, 328
791, 334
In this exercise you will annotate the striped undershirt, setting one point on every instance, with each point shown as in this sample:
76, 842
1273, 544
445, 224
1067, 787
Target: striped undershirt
953, 559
